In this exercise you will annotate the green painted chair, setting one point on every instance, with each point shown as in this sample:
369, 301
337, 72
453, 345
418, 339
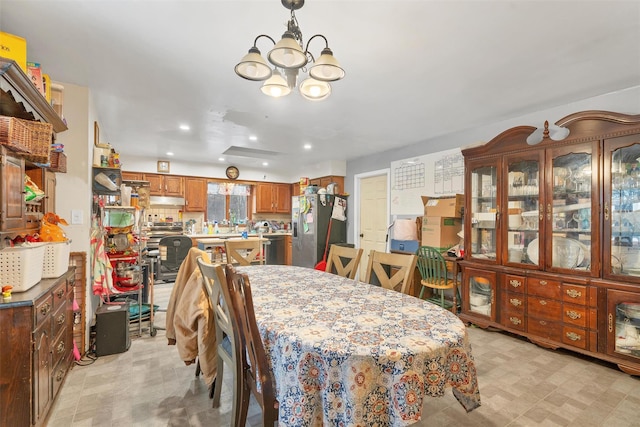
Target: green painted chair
433, 269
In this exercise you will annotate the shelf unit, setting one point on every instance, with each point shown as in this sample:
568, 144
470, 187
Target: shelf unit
121, 227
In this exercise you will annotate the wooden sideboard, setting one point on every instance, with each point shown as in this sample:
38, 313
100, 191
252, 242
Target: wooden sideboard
36, 346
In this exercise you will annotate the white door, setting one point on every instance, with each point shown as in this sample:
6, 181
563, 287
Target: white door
373, 218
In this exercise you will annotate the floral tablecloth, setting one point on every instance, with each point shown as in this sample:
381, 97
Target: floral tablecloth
346, 353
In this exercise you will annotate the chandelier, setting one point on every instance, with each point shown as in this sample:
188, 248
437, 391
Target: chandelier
290, 56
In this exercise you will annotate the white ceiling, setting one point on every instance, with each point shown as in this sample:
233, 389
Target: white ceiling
414, 69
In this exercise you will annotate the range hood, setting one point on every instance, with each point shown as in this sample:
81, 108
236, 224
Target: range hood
166, 201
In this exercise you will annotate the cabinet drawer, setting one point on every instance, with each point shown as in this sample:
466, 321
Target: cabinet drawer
544, 288
59, 349
576, 337
575, 315
544, 328
513, 316
513, 301
43, 309
514, 283
59, 319
59, 294
575, 294
544, 308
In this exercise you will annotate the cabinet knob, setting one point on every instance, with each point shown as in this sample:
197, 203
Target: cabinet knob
515, 320
572, 314
573, 293
573, 336
60, 319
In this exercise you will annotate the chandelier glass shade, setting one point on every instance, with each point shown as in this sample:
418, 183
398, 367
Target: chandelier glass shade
291, 56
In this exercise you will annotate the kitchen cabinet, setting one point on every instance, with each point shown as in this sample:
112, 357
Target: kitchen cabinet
552, 236
13, 215
288, 250
36, 351
273, 198
322, 182
132, 176
165, 185
46, 181
195, 194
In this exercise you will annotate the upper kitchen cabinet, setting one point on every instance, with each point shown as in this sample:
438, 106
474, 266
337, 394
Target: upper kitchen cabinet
132, 176
273, 198
165, 185
195, 194
552, 236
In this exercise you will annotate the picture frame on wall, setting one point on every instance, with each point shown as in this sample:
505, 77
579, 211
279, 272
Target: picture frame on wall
163, 166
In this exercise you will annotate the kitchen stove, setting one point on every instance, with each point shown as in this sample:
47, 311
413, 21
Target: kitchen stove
158, 230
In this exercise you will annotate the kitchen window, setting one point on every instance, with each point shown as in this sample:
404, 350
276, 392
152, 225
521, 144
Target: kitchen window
228, 202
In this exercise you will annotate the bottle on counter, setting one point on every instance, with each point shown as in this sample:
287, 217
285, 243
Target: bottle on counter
215, 227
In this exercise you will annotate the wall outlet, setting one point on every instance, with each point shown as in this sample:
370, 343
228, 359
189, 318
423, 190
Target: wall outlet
76, 217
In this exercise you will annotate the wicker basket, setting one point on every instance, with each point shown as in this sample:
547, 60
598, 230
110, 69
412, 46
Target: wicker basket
39, 150
15, 134
58, 162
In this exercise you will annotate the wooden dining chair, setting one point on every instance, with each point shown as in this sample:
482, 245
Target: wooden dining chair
391, 271
435, 275
213, 280
244, 251
343, 261
250, 352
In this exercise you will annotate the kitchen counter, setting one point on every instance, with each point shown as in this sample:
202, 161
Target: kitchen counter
231, 235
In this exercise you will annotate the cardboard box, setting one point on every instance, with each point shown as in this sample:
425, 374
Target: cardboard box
446, 207
441, 233
14, 47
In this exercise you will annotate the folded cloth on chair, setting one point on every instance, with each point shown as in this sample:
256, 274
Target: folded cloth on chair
190, 318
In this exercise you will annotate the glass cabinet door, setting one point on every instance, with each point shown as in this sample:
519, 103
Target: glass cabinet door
483, 210
480, 292
624, 324
522, 215
569, 217
622, 207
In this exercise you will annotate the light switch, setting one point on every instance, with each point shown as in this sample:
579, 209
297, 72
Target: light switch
76, 217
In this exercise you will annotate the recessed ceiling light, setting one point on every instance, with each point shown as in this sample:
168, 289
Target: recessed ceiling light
307, 146
184, 127
221, 159
265, 164
169, 153
253, 138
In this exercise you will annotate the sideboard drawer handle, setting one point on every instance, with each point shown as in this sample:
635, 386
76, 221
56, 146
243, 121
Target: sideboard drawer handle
60, 293
573, 293
573, 336
543, 282
543, 302
572, 314
515, 301
515, 283
60, 319
515, 320
45, 309
60, 347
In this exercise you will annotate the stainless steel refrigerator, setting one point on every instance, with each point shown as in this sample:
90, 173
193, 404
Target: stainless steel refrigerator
310, 223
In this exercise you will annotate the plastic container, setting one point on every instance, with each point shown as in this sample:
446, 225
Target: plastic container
56, 259
21, 266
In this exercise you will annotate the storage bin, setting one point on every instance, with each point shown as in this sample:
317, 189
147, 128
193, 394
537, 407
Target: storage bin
58, 162
56, 259
39, 149
21, 266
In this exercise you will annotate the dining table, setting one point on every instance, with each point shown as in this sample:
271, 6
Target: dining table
347, 353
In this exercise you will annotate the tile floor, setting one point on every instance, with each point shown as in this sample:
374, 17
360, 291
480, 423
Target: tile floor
520, 384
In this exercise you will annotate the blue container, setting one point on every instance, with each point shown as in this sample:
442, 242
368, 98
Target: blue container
408, 246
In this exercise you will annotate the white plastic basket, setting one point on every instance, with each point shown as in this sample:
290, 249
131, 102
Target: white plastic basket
56, 259
21, 266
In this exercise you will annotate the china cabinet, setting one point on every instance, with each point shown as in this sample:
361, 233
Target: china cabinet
552, 236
